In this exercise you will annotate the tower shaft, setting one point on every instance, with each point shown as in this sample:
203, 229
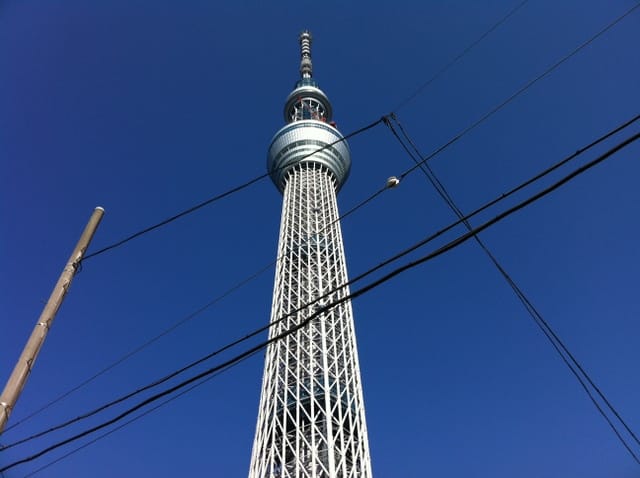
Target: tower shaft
311, 421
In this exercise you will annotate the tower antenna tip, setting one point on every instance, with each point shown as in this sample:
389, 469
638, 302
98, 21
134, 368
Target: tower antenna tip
306, 68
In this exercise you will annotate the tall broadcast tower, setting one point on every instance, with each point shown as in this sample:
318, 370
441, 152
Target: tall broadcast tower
311, 420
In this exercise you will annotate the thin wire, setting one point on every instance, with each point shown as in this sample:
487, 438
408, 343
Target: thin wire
153, 340
321, 310
128, 355
544, 326
520, 91
164, 222
122, 425
491, 203
395, 257
383, 119
446, 67
219, 196
430, 238
369, 126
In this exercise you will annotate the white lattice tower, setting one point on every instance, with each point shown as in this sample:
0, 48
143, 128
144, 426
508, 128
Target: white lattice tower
311, 421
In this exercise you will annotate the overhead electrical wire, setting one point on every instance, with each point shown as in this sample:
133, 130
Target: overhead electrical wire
166, 331
565, 354
124, 424
371, 125
375, 123
459, 56
521, 90
423, 160
209, 304
134, 352
152, 340
229, 192
439, 251
430, 238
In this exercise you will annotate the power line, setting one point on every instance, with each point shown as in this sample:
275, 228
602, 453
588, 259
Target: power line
133, 352
154, 339
352, 281
470, 47
495, 201
536, 316
128, 422
229, 192
520, 91
371, 125
441, 250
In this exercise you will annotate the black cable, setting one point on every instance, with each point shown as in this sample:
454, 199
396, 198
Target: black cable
128, 355
442, 70
520, 91
355, 279
122, 425
176, 216
383, 119
153, 340
392, 259
365, 128
493, 202
424, 160
535, 315
220, 196
242, 356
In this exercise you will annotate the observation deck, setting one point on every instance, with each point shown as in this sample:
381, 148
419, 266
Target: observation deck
310, 135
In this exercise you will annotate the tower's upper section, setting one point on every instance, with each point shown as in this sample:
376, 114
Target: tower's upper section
307, 101
310, 128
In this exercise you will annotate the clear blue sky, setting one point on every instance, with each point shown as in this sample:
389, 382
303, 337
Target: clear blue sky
146, 108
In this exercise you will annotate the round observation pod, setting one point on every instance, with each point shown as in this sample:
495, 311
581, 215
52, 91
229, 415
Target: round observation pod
300, 142
307, 101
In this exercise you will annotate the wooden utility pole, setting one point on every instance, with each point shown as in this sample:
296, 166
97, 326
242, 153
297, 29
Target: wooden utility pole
25, 363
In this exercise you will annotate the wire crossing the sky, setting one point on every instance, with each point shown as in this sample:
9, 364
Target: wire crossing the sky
375, 123
422, 160
459, 56
124, 424
355, 279
384, 119
218, 197
157, 337
149, 342
441, 250
524, 88
567, 357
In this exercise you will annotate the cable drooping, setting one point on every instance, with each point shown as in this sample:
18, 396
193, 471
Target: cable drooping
352, 281
127, 356
441, 250
565, 354
524, 88
470, 47
383, 119
369, 126
128, 422
229, 192
149, 342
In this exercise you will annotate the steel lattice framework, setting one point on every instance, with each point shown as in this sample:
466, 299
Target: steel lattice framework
311, 420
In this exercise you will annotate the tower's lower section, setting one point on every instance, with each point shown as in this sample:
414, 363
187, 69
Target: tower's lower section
311, 422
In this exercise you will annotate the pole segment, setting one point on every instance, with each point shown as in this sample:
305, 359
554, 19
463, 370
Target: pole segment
25, 363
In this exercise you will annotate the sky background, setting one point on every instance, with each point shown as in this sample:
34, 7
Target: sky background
147, 108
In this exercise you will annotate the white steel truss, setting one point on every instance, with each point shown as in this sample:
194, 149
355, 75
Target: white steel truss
311, 421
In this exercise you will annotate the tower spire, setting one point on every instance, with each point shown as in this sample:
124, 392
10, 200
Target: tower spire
306, 67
